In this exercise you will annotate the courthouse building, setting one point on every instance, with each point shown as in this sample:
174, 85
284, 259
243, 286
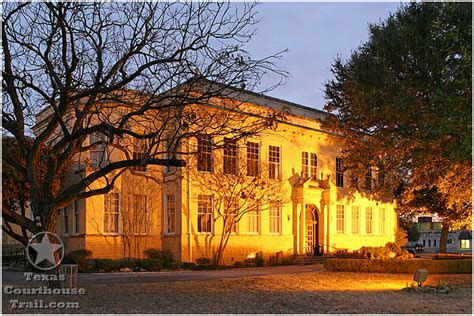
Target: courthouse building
319, 212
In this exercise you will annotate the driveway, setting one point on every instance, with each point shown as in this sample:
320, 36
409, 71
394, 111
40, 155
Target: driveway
10, 277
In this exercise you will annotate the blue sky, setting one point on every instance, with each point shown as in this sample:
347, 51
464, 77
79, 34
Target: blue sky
314, 33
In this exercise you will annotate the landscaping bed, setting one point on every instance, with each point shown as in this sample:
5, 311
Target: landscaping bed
399, 266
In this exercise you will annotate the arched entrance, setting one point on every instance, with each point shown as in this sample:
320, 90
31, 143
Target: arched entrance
312, 231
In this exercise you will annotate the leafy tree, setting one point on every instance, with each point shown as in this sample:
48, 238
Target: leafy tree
403, 99
236, 194
129, 73
411, 229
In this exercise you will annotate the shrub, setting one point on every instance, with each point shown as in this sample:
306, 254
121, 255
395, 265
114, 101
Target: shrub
399, 266
203, 261
150, 264
79, 257
106, 265
238, 264
375, 252
187, 265
393, 247
163, 255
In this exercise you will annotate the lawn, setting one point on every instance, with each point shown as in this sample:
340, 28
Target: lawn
322, 292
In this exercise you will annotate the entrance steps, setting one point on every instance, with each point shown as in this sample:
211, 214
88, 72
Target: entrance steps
305, 260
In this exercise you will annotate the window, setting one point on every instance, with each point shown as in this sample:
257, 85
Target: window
254, 220
252, 159
204, 155
340, 219
275, 219
382, 221
111, 213
274, 162
368, 179
368, 220
355, 220
465, 244
313, 169
170, 212
65, 222
98, 154
304, 164
434, 242
139, 152
230, 156
429, 242
140, 214
205, 214
75, 218
309, 165
424, 243
232, 209
339, 173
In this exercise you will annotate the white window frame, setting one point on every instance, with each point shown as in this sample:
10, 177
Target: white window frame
76, 229
340, 219
275, 220
204, 156
355, 220
138, 152
252, 150
170, 205
274, 162
208, 212
254, 215
304, 164
369, 225
230, 154
98, 153
115, 213
65, 222
313, 166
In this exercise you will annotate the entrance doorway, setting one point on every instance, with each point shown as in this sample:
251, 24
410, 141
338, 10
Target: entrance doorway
312, 231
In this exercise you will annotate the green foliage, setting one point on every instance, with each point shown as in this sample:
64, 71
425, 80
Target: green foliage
79, 257
203, 261
399, 266
411, 228
150, 264
105, 265
187, 265
163, 255
109, 265
238, 264
403, 98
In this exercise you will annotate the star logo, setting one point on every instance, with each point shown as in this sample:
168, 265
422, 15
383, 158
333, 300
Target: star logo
45, 251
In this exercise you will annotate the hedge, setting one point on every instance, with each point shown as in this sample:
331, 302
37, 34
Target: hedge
399, 266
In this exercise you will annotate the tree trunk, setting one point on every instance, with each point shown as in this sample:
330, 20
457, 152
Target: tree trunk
443, 241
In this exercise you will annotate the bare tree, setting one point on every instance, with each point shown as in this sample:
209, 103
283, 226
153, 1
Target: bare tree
134, 75
239, 188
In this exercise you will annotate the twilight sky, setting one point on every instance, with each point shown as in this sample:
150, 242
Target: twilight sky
314, 33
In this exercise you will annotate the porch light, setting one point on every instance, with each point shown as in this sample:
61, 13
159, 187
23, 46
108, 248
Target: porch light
420, 276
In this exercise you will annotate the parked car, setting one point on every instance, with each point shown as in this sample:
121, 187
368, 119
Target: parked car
414, 249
